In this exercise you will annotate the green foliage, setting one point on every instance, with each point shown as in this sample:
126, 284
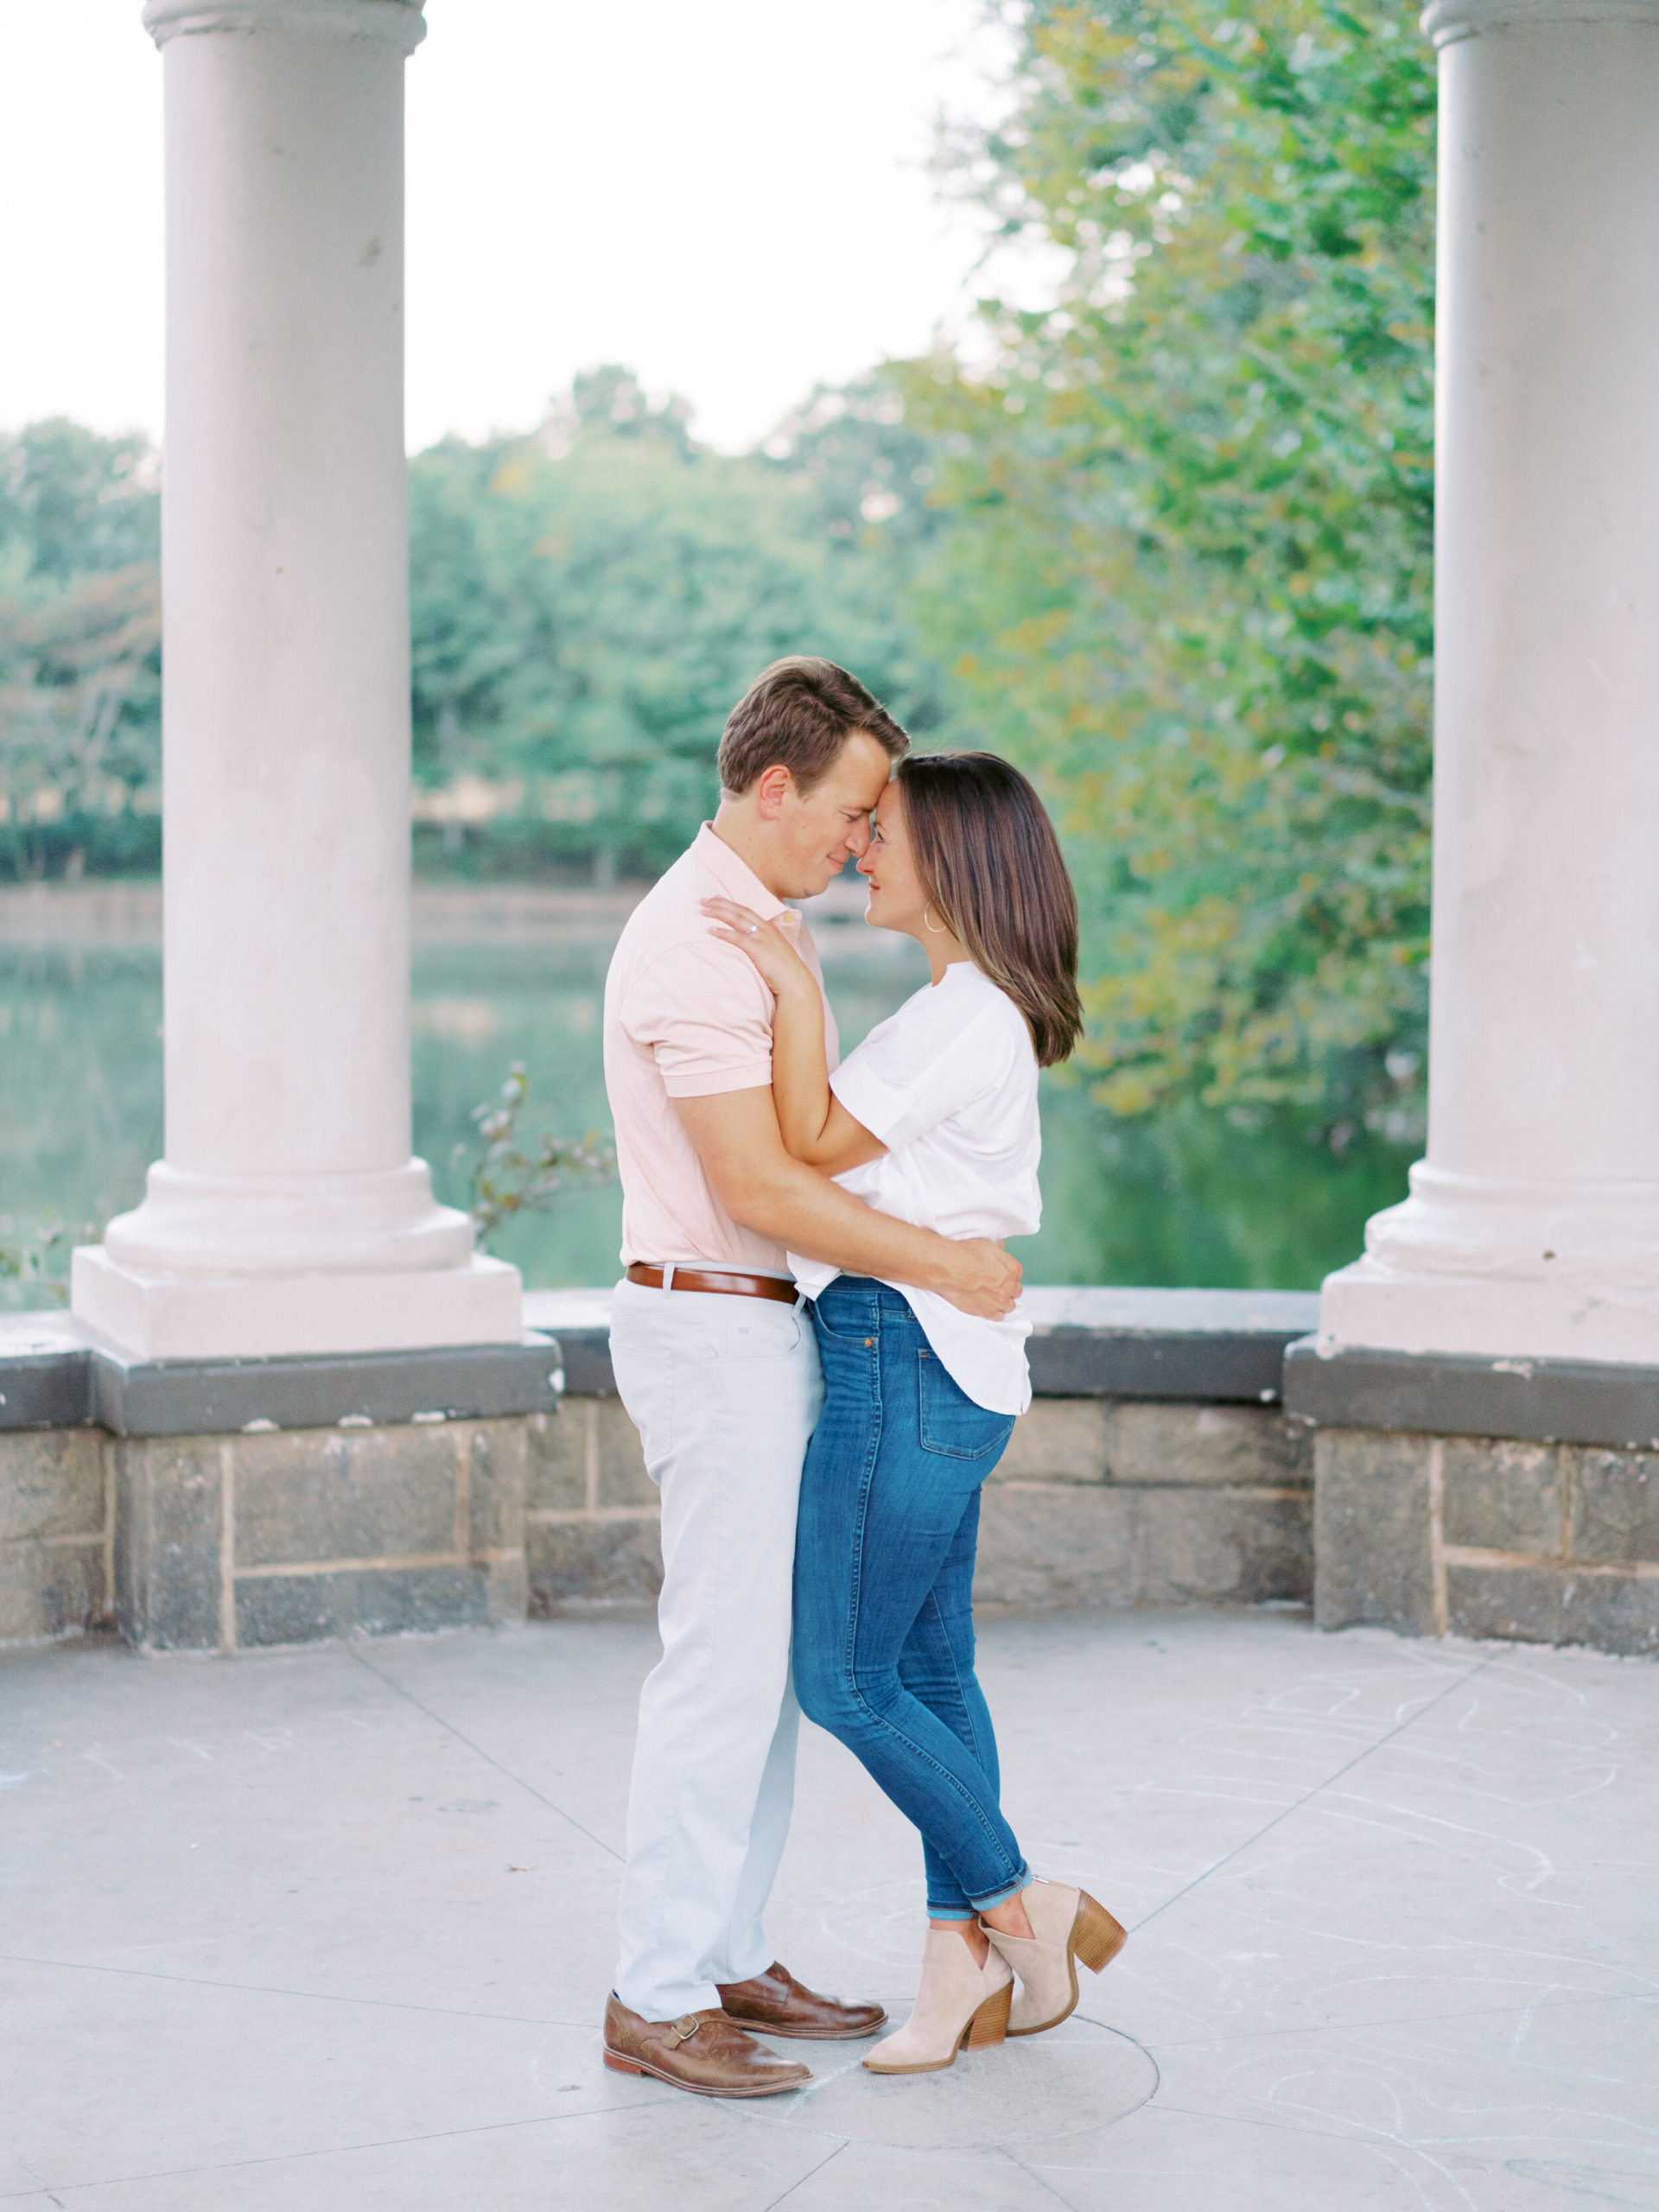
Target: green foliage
515, 1174
33, 1266
74, 504
866, 477
80, 650
590, 600
587, 601
1188, 578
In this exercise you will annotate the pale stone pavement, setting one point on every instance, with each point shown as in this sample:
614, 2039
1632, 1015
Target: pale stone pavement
329, 1930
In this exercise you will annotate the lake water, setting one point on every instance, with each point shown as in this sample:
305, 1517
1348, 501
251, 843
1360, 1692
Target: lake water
1189, 1199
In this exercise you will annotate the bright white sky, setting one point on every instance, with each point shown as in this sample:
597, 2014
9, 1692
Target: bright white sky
729, 196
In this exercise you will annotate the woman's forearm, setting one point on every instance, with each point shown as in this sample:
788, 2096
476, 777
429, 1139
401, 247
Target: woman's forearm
817, 1129
800, 1072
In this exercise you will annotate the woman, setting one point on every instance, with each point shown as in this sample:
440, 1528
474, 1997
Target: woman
932, 1119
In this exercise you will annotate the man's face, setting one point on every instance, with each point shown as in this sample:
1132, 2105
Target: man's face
817, 832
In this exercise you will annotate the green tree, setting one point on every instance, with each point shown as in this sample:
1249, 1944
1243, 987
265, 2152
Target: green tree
72, 503
1188, 578
589, 601
866, 476
80, 650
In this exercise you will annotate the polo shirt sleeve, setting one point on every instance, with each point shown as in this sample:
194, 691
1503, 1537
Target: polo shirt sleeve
912, 1073
703, 1012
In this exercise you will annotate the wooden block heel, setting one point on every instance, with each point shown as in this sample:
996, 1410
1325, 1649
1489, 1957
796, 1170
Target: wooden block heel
1066, 1924
990, 2023
1096, 1938
622, 2065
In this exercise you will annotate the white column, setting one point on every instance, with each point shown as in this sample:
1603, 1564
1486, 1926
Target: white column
1532, 1225
288, 1216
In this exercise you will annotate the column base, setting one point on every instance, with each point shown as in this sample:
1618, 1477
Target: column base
269, 1317
1378, 1306
1539, 1269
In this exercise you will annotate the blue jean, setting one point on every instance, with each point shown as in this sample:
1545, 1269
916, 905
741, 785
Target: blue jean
884, 1574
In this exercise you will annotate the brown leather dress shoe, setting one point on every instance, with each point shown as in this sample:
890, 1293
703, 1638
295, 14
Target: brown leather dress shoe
703, 2052
779, 2005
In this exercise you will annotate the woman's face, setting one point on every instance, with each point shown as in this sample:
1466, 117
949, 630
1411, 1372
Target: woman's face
897, 897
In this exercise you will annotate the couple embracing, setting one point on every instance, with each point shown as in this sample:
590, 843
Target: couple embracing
818, 1338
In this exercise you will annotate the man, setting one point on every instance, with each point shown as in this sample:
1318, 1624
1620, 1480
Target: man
718, 1367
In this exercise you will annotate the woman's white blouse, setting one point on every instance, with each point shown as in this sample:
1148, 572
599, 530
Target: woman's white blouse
949, 1084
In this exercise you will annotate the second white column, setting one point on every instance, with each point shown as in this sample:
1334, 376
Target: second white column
1532, 1225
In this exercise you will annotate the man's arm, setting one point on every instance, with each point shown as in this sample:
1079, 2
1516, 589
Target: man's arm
735, 1135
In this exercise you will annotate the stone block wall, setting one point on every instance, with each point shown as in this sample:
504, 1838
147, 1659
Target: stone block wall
218, 1505
1197, 1447
593, 1523
57, 1533
1488, 1536
204, 1543
1097, 1501
1121, 1502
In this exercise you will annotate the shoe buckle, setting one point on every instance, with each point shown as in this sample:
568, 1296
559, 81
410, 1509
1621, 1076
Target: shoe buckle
685, 2027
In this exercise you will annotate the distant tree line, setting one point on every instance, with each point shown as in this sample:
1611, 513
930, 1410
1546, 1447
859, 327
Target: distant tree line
589, 601
1166, 543
80, 642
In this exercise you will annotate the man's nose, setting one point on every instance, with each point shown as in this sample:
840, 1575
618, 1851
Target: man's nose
858, 838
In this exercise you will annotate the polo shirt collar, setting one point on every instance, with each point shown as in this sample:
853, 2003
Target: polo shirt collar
738, 879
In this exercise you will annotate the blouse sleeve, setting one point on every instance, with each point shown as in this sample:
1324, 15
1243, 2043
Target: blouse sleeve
910, 1074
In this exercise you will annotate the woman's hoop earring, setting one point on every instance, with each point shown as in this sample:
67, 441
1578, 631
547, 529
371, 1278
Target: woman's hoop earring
941, 931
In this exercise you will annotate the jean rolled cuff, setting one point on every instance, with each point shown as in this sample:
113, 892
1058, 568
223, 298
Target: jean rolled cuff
964, 1913
1001, 1897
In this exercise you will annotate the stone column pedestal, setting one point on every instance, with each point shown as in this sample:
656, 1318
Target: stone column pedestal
288, 1216
1532, 1230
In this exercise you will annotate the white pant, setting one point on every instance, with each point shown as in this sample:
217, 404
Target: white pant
725, 1393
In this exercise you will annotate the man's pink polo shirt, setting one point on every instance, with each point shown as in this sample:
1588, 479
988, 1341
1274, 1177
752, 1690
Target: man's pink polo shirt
686, 1016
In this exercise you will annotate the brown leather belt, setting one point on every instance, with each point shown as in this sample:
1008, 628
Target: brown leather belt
723, 1285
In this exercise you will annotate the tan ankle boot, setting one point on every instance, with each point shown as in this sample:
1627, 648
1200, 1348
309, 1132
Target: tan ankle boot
1066, 1925
957, 2002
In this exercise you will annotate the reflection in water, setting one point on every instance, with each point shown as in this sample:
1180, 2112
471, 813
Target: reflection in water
1185, 1198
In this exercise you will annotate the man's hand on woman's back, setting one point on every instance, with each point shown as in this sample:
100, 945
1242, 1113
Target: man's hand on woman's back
735, 1134
982, 1278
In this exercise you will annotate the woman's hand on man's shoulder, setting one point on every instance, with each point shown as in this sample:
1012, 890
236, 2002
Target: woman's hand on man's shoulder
781, 965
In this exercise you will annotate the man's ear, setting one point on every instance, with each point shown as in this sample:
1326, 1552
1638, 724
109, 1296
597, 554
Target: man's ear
770, 791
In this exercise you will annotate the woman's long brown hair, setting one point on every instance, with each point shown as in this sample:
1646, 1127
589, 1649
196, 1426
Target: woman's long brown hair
989, 860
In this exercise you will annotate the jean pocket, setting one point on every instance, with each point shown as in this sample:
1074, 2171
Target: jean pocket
845, 1320
952, 1424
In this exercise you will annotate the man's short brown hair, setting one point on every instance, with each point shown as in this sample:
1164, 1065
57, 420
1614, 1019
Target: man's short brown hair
797, 714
